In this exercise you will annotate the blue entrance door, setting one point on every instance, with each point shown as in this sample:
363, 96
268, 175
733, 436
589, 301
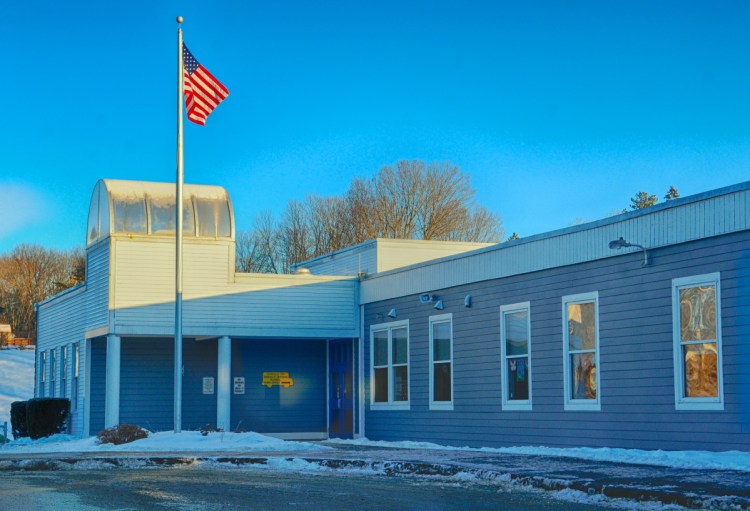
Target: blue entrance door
341, 389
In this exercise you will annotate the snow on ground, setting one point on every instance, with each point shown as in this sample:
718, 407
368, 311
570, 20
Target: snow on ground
728, 460
16, 380
165, 441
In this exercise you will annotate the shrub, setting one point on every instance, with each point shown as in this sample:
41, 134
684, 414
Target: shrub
121, 434
210, 428
46, 416
18, 419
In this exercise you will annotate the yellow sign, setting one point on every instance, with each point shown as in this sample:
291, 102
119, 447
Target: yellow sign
279, 378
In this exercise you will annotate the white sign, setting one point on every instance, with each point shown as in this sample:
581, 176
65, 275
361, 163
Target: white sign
239, 385
208, 385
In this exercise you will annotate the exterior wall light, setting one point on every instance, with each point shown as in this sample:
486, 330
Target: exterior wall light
392, 313
621, 243
467, 301
439, 305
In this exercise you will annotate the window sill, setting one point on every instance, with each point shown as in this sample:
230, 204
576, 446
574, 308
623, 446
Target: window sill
390, 406
583, 406
699, 405
522, 406
441, 405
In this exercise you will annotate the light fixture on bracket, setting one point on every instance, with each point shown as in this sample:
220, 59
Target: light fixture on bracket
621, 243
392, 313
467, 301
439, 305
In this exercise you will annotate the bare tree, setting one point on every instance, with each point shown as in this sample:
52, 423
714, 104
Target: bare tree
258, 250
409, 200
31, 273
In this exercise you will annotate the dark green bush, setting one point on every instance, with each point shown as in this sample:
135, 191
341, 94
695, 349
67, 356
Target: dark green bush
18, 419
46, 416
121, 434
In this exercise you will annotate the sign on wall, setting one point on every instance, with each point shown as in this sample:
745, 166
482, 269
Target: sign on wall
208, 385
277, 378
239, 384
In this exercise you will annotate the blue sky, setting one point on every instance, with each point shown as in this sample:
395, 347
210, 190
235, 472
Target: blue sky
559, 111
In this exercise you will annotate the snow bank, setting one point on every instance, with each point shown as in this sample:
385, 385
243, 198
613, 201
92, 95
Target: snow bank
165, 441
728, 460
16, 380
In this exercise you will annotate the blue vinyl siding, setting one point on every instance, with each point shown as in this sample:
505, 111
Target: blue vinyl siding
636, 357
200, 361
300, 408
147, 383
98, 377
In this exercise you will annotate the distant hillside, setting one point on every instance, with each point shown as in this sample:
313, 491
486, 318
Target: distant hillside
16, 380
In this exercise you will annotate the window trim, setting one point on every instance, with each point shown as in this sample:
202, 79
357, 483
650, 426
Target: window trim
43, 373
515, 404
440, 405
64, 370
696, 403
390, 405
53, 372
590, 405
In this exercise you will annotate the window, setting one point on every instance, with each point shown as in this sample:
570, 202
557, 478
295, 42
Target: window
213, 217
53, 374
74, 388
64, 371
581, 351
164, 216
389, 374
696, 311
515, 347
43, 374
130, 214
441, 362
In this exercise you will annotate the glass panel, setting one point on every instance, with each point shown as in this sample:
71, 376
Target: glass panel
400, 346
75, 362
103, 212
701, 370
442, 381
130, 214
698, 313
441, 341
516, 333
163, 216
401, 383
381, 347
348, 385
583, 376
581, 326
43, 366
92, 232
381, 385
518, 378
213, 217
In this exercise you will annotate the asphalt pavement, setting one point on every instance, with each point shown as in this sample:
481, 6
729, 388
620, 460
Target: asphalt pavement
694, 489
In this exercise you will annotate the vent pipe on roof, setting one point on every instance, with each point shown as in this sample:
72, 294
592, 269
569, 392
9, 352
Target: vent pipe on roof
302, 271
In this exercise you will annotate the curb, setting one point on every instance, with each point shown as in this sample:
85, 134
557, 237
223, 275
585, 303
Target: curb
402, 469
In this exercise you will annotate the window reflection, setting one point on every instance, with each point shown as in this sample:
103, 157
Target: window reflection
130, 214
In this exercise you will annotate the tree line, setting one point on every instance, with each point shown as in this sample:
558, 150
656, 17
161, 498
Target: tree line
31, 273
409, 200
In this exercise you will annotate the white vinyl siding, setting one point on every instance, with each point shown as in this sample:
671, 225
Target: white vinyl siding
389, 366
441, 362
696, 313
515, 348
581, 351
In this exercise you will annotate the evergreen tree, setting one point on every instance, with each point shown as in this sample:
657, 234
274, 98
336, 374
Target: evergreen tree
672, 194
513, 237
643, 200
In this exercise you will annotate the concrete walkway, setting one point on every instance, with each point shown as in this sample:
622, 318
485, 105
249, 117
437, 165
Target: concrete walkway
695, 489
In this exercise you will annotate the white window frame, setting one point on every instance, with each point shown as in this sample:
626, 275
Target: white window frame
514, 404
43, 374
696, 403
63, 370
53, 372
441, 405
391, 404
74, 380
590, 405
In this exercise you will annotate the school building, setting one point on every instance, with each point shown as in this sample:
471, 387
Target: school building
632, 331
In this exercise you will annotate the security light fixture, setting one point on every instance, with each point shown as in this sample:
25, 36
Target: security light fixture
439, 305
467, 301
621, 243
392, 313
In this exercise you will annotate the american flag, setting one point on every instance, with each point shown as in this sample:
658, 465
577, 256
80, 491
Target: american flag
202, 91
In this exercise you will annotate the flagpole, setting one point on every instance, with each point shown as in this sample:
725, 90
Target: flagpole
178, 235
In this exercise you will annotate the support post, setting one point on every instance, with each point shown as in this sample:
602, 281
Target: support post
224, 384
112, 396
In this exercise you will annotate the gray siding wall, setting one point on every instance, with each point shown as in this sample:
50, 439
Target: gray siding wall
61, 323
636, 357
97, 285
